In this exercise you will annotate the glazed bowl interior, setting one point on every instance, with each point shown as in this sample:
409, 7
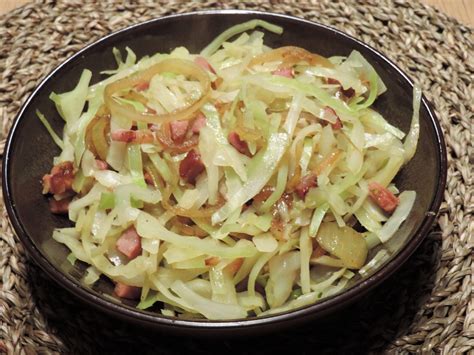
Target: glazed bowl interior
30, 151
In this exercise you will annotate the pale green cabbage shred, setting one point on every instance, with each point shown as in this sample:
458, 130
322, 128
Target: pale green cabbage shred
251, 257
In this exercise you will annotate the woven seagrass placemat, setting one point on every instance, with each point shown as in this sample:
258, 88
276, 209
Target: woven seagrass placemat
427, 307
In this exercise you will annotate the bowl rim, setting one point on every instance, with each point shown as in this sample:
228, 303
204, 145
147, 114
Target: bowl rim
323, 306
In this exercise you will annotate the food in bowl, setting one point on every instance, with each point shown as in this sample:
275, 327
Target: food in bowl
243, 181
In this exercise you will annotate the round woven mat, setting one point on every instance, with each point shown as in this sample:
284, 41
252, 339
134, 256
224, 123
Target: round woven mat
427, 307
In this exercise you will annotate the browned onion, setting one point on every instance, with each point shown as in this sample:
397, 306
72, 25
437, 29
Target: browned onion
163, 134
186, 229
99, 136
289, 56
96, 134
175, 65
328, 161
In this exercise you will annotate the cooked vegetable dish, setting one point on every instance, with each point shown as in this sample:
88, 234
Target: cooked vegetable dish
238, 182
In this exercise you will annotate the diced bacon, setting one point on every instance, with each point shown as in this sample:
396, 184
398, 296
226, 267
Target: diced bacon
216, 83
234, 266
307, 182
129, 243
59, 184
102, 165
64, 168
203, 63
199, 122
212, 261
332, 81
142, 86
231, 268
178, 130
130, 136
338, 125
125, 291
46, 181
348, 93
329, 111
148, 178
383, 197
285, 72
60, 179
318, 252
59, 206
191, 166
123, 135
264, 194
241, 146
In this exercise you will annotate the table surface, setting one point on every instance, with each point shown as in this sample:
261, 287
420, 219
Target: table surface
462, 10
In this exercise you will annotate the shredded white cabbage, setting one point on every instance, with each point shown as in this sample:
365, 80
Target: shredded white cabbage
227, 184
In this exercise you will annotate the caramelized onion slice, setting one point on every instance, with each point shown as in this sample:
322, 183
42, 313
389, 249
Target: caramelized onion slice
343, 242
163, 134
289, 56
175, 65
99, 136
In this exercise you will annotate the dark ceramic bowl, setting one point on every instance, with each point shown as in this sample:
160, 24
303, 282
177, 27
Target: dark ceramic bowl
30, 150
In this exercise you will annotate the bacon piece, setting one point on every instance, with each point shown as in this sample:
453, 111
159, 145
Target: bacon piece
191, 166
59, 184
234, 266
264, 194
129, 243
131, 136
308, 181
204, 64
241, 146
178, 130
125, 291
199, 122
338, 124
384, 198
216, 83
285, 72
317, 250
142, 86
332, 81
102, 165
59, 207
60, 179
46, 182
231, 268
148, 178
212, 261
348, 93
